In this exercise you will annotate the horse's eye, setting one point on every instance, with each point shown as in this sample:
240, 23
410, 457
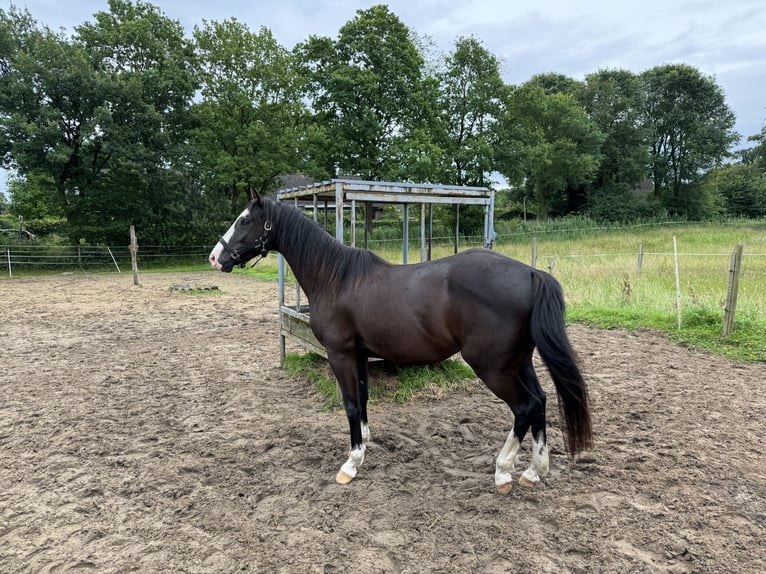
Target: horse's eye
245, 221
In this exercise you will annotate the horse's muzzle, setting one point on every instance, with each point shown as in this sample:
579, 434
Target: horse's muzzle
213, 258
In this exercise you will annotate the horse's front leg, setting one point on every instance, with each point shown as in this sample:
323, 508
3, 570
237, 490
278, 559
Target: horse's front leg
345, 369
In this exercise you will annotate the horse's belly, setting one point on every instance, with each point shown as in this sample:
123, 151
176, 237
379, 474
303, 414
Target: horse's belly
409, 347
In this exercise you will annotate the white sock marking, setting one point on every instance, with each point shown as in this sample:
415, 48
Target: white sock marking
355, 460
539, 465
505, 460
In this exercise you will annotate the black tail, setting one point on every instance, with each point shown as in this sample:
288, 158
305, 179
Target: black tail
550, 336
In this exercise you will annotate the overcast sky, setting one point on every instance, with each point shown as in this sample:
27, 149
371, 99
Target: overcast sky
574, 37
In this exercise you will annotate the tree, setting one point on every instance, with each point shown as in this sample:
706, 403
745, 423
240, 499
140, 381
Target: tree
757, 154
251, 123
103, 116
470, 106
366, 87
142, 123
549, 144
613, 100
555, 83
49, 100
690, 130
31, 197
741, 187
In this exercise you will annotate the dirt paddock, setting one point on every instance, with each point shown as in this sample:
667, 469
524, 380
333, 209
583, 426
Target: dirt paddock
150, 430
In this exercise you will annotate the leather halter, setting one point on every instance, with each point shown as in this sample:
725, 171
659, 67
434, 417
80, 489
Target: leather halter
259, 245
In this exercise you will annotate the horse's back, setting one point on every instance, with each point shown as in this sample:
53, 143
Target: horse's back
491, 278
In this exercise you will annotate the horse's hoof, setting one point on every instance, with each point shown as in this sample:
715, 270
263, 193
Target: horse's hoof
505, 489
526, 482
343, 478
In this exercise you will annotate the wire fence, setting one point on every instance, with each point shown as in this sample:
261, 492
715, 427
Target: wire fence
26, 257
620, 278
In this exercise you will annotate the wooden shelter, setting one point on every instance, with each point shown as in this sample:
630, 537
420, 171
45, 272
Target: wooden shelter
338, 195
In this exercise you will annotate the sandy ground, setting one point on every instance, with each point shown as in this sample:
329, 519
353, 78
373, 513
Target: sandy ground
150, 430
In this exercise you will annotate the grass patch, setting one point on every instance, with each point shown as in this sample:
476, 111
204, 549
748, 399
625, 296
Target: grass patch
388, 383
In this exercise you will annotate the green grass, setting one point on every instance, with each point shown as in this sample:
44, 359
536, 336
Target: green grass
599, 274
388, 383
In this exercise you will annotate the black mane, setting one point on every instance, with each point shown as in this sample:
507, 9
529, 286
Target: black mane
309, 244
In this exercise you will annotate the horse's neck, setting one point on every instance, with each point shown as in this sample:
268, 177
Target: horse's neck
308, 249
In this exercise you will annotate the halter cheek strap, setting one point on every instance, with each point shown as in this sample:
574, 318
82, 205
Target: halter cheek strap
259, 245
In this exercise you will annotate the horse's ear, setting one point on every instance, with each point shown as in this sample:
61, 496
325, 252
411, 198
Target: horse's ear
254, 194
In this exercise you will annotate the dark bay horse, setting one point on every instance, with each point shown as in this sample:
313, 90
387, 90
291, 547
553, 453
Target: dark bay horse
492, 309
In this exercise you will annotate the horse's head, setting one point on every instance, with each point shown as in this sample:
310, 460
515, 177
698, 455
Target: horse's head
251, 235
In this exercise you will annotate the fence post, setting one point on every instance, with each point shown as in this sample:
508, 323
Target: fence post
133, 251
534, 252
552, 265
640, 259
733, 290
8, 253
678, 282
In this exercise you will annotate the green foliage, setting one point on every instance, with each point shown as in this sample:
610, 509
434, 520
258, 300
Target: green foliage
470, 106
366, 87
34, 197
251, 124
551, 144
98, 121
614, 100
129, 122
691, 129
741, 187
620, 203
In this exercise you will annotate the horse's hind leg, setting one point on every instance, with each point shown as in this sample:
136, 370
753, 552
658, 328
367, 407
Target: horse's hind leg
539, 465
523, 394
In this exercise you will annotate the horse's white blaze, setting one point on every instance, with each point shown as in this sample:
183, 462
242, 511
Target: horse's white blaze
539, 465
505, 460
216, 252
365, 433
355, 460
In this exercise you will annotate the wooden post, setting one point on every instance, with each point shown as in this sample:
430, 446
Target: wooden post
733, 290
8, 253
534, 252
133, 251
552, 265
640, 259
678, 283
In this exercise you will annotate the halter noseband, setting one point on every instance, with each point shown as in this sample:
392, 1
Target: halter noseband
259, 245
